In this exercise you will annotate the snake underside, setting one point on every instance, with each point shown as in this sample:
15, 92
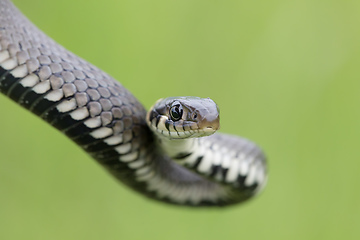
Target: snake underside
108, 122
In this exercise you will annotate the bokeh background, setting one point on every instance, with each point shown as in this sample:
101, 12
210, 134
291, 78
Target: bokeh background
284, 73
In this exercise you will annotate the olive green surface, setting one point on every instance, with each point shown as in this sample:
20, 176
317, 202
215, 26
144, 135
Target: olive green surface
285, 74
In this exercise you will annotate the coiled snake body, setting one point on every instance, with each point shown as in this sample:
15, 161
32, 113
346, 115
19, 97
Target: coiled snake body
108, 122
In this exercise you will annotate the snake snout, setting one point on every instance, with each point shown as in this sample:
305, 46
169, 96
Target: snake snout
210, 125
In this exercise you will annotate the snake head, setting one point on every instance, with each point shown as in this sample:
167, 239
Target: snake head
184, 117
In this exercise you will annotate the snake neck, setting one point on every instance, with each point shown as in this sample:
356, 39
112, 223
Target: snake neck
195, 154
177, 149
176, 181
224, 160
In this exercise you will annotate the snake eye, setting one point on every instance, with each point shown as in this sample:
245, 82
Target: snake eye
176, 113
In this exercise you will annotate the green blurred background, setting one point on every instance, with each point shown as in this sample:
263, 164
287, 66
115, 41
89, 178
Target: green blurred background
284, 73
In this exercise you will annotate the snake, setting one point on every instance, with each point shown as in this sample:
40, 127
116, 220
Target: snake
171, 153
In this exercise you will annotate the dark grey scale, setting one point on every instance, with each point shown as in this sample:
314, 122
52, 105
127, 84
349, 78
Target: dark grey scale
128, 136
183, 155
153, 115
177, 131
112, 160
240, 185
42, 106
6, 80
106, 155
141, 131
224, 172
77, 129
21, 98
17, 91
247, 192
157, 120
240, 182
64, 121
30, 98
125, 176
251, 188
51, 114
214, 170
85, 139
99, 146
210, 203
167, 125
197, 162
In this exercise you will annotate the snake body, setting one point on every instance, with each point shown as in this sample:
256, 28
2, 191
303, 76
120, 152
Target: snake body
109, 123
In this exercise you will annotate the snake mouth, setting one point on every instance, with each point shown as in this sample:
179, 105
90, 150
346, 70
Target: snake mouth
210, 129
206, 131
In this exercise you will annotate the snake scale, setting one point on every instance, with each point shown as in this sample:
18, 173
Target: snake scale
109, 123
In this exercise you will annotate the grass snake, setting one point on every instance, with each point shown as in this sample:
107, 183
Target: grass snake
172, 154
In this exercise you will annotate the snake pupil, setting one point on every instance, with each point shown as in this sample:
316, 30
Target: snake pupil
176, 113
